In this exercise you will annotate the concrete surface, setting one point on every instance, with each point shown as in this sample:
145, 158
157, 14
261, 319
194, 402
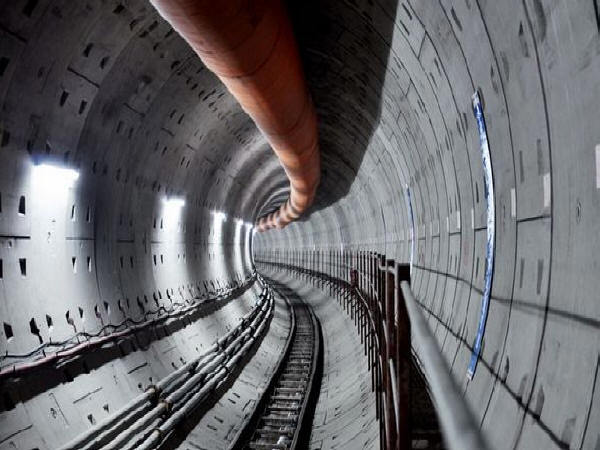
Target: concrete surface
106, 87
394, 82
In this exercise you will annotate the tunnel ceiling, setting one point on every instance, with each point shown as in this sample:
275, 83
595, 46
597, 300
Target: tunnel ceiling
108, 88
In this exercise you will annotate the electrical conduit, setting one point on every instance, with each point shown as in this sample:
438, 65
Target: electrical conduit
250, 46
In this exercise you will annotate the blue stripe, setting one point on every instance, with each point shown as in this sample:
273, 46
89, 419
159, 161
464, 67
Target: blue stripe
491, 231
412, 226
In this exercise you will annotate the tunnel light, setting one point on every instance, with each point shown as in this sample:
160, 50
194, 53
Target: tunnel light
172, 207
239, 223
249, 225
174, 202
54, 177
219, 216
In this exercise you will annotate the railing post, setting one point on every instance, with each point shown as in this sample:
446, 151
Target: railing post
403, 356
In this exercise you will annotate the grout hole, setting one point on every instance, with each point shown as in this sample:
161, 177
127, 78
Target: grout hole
63, 98
22, 206
88, 49
34, 329
82, 106
8, 332
104, 61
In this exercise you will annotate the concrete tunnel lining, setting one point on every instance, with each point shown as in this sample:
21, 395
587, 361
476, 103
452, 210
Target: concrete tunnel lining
108, 88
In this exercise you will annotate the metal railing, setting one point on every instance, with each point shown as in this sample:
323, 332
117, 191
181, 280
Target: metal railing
375, 292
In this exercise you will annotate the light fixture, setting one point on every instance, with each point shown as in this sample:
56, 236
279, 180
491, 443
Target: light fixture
219, 215
172, 207
54, 176
175, 202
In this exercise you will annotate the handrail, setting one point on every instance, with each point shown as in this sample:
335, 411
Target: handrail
458, 425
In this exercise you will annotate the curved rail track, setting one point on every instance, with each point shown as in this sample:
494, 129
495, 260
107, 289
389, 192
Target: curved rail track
286, 406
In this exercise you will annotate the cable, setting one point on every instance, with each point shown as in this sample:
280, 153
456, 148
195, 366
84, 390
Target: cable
68, 348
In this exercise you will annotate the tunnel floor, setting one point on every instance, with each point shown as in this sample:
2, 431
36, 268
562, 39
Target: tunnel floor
345, 411
344, 416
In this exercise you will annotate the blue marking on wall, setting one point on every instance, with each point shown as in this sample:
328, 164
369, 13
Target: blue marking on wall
411, 219
491, 231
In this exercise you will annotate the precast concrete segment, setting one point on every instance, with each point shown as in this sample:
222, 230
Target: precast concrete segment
109, 89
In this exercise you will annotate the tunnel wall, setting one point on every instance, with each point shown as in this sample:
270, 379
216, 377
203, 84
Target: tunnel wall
109, 90
403, 74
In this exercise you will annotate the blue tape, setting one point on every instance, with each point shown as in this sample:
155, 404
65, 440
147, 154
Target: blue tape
491, 231
411, 218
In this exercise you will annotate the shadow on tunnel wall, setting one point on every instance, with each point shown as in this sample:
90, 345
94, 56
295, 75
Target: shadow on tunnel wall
344, 45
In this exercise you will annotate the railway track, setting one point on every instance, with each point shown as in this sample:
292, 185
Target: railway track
286, 403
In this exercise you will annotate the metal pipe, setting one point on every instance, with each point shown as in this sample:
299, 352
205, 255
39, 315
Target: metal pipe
458, 425
251, 47
191, 404
119, 417
121, 420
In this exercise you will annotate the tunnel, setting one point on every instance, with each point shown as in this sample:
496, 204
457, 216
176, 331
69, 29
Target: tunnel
438, 289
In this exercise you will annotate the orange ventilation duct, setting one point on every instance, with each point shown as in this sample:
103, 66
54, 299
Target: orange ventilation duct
250, 46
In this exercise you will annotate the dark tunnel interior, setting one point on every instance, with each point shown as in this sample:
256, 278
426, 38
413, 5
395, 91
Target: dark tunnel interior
131, 180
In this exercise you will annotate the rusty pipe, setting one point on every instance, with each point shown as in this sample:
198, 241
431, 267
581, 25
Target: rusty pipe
250, 46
